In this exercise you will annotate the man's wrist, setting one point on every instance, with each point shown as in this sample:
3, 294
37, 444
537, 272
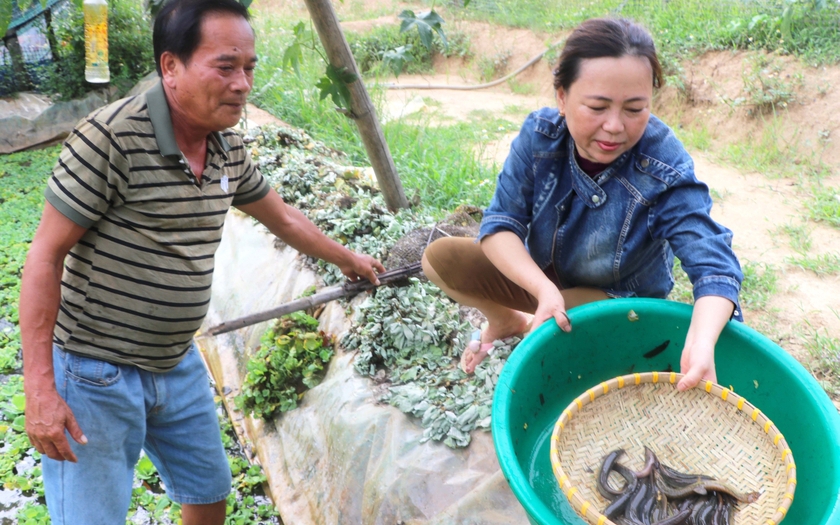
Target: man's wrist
38, 379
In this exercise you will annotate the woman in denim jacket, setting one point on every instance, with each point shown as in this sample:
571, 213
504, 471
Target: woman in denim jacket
594, 201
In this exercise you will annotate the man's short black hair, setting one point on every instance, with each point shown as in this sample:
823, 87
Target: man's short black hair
178, 25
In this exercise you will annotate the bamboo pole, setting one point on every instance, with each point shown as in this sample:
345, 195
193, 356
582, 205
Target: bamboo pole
326, 295
339, 55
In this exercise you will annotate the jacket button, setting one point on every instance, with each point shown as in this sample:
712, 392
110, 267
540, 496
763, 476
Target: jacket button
645, 163
596, 199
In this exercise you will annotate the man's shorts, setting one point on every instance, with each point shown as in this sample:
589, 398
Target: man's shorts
122, 409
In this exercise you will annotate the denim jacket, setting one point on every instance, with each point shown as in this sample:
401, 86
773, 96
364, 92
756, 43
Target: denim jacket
620, 231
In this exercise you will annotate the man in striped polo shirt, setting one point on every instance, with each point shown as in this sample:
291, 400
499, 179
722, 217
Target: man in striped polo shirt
118, 276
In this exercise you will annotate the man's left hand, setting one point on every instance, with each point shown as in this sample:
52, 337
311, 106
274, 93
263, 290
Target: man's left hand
362, 267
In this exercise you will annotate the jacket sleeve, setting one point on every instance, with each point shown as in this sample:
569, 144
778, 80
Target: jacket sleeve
682, 216
512, 203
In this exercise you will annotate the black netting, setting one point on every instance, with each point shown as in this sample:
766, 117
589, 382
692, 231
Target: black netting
25, 49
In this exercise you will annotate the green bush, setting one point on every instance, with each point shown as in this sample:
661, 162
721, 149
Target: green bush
130, 53
369, 48
290, 359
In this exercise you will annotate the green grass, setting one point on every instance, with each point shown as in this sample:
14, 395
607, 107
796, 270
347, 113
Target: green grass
696, 136
775, 151
799, 235
759, 285
437, 162
683, 27
824, 364
824, 204
801, 243
683, 291
521, 88
822, 264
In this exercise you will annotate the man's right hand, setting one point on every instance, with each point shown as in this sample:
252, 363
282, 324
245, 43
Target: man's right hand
47, 416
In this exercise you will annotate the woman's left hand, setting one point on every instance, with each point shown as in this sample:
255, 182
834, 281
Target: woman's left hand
698, 364
710, 315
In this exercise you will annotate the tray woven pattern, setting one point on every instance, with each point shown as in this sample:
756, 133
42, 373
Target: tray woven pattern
705, 430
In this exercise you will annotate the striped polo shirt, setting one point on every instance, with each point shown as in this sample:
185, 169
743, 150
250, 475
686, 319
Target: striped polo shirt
136, 287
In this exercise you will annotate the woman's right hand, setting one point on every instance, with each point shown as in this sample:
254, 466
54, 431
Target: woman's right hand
551, 304
508, 253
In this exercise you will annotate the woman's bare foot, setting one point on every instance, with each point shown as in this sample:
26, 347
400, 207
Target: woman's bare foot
475, 351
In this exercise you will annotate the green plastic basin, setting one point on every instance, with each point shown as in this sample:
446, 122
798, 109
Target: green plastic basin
550, 368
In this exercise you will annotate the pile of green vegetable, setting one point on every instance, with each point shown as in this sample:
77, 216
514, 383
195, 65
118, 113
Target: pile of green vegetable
409, 336
291, 358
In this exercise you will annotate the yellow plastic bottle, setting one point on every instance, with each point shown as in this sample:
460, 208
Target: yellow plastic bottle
96, 41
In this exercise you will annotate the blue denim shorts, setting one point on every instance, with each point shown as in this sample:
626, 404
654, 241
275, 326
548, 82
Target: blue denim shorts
122, 409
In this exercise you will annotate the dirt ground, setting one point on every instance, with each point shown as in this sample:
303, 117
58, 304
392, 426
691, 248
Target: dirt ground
752, 204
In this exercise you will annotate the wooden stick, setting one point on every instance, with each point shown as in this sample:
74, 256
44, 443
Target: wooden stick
348, 289
339, 54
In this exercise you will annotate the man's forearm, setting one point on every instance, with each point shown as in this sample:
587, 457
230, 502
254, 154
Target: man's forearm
39, 298
295, 229
306, 238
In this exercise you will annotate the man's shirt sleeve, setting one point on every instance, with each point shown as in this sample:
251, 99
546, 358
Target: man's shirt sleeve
252, 185
91, 174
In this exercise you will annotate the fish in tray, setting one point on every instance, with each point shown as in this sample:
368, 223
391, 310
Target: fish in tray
660, 495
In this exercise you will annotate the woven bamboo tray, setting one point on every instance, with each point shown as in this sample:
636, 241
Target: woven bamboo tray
706, 430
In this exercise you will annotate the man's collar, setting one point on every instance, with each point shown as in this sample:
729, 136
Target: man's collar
162, 123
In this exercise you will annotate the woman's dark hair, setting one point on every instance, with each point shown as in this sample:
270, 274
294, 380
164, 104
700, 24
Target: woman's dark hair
178, 25
605, 37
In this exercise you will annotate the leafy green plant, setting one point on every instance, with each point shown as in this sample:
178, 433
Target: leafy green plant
766, 88
33, 514
6, 11
383, 46
146, 472
291, 358
22, 179
335, 80
427, 25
